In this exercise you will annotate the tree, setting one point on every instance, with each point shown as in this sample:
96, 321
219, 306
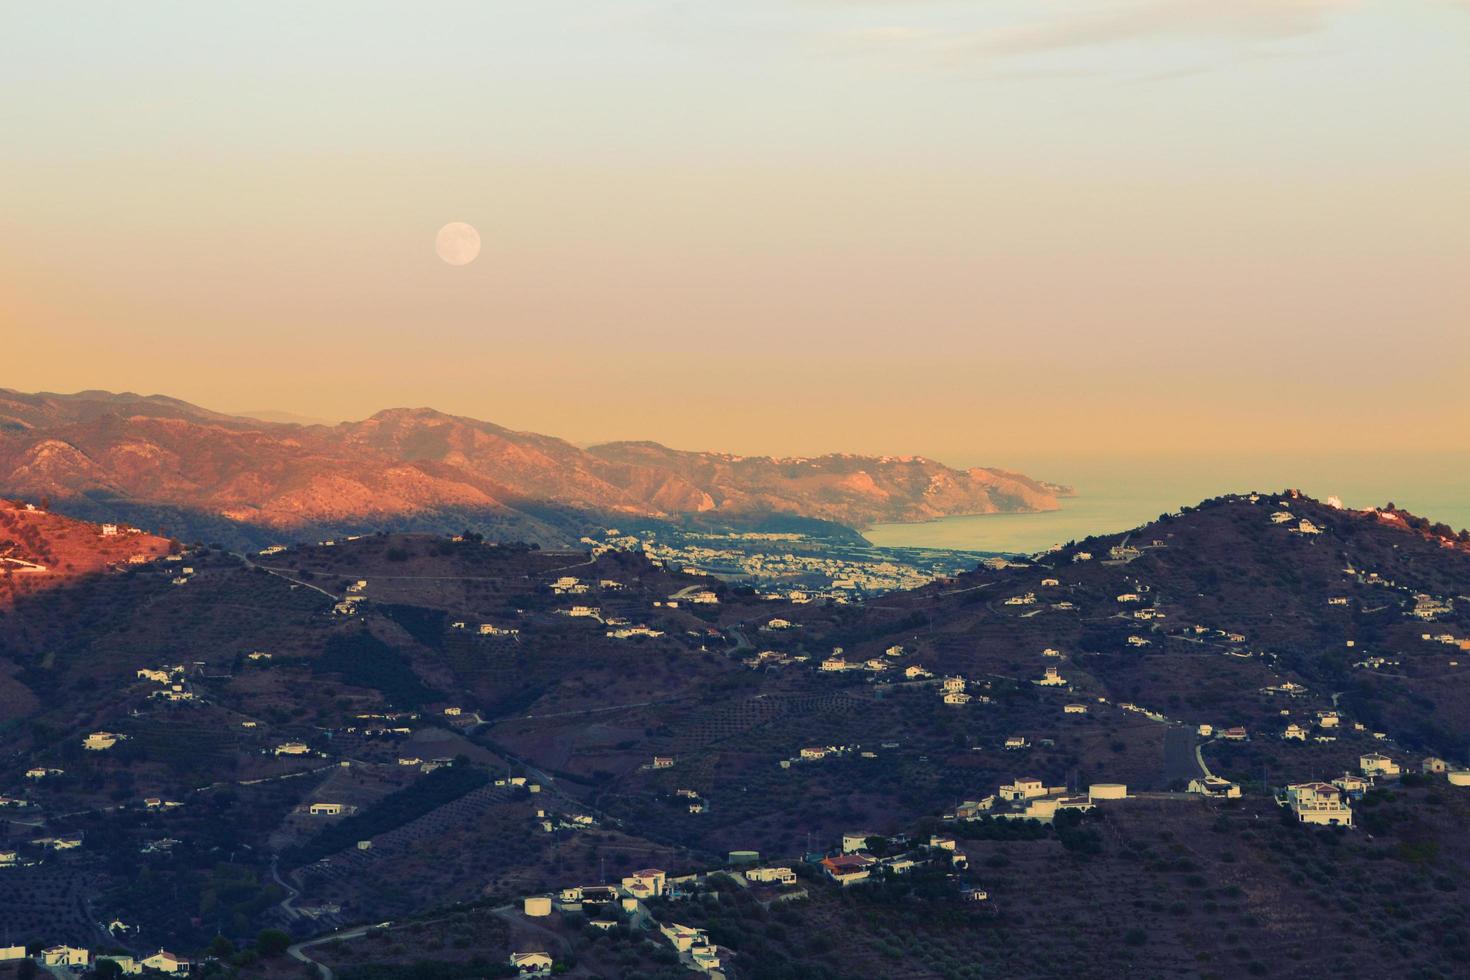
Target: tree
272, 942
108, 969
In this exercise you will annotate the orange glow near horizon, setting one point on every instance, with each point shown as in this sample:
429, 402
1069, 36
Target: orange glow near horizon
1252, 238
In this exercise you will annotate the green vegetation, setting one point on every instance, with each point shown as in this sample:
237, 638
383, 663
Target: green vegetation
363, 660
394, 810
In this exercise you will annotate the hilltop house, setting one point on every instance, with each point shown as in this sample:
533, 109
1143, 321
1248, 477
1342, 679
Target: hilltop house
1354, 786
292, 748
1434, 764
1075, 709
1295, 731
1029, 798
1024, 788
66, 956
98, 741
956, 697
776, 876
663, 762
1319, 803
1051, 677
914, 672
326, 809
954, 684
1214, 786
1377, 764
648, 883
1016, 742
531, 964
848, 869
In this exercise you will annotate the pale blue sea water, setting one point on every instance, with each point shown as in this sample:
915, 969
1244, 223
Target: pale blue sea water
1115, 494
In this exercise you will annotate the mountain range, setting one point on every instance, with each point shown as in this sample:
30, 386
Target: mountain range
154, 459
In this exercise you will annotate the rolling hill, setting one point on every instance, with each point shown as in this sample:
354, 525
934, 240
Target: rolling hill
430, 683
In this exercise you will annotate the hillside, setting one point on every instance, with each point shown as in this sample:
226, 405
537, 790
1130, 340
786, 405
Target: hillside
852, 490
40, 550
159, 461
499, 721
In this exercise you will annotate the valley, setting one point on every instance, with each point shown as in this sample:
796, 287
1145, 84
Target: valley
426, 729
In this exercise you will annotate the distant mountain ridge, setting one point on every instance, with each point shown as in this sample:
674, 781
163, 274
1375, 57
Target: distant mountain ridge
417, 467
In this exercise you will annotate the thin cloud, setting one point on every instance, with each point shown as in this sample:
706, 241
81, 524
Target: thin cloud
1109, 22
1247, 20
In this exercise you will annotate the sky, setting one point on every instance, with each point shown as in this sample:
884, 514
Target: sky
981, 231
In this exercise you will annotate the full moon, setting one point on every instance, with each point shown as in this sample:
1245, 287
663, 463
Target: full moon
457, 243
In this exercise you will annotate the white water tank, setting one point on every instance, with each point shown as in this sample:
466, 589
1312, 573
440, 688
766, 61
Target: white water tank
1459, 777
538, 905
1107, 791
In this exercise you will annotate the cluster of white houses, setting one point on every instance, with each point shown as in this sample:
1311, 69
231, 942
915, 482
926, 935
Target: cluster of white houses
77, 957
1330, 803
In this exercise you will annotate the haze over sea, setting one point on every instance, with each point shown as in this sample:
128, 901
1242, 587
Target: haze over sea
1117, 493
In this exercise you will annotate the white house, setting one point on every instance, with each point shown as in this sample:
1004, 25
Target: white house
66, 956
1215, 786
1075, 709
1024, 788
98, 741
292, 748
326, 809
1051, 677
776, 876
1377, 764
1319, 803
166, 962
648, 883
1296, 732
848, 869
956, 697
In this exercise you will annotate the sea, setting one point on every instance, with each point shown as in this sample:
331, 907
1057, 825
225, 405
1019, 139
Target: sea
1119, 493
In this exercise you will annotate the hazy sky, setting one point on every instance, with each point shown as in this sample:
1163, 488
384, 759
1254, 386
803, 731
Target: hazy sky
972, 229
